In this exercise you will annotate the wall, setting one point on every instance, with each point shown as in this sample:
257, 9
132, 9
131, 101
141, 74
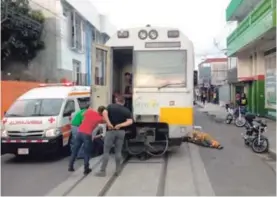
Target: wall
67, 54
244, 68
224, 94
219, 72
11, 90
88, 11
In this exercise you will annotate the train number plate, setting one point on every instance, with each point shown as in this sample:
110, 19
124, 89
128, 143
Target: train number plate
23, 151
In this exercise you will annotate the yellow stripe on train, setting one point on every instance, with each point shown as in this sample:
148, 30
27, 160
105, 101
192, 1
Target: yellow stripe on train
177, 115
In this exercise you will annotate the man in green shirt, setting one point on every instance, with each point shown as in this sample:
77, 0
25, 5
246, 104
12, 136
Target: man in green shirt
75, 123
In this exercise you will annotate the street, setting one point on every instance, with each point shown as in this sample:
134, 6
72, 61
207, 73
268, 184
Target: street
32, 176
235, 170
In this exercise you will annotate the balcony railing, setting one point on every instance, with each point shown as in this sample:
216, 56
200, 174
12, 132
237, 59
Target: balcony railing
260, 10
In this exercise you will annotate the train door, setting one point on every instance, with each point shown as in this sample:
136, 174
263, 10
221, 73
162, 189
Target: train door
101, 76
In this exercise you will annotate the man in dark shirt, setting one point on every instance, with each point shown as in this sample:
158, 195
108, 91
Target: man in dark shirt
117, 118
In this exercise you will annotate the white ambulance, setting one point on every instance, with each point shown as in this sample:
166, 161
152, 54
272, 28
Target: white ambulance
39, 121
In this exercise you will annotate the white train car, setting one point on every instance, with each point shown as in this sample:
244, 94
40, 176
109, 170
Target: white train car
161, 61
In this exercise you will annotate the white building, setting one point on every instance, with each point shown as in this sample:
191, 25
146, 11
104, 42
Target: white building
71, 28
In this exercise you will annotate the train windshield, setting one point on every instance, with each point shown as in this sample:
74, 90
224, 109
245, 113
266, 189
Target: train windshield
158, 68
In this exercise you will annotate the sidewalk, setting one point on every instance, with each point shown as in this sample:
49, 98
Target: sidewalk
219, 113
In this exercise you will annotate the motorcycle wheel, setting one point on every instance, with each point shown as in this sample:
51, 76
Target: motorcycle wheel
263, 147
228, 119
240, 122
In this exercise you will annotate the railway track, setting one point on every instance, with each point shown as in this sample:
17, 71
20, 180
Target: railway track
173, 174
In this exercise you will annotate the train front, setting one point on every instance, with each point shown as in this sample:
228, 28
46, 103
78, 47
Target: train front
163, 84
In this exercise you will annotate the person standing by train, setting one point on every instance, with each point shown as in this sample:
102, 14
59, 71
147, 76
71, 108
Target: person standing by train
117, 118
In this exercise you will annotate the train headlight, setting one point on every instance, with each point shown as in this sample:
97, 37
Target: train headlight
142, 34
153, 34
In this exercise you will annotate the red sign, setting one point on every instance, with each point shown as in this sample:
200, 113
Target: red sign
25, 122
51, 120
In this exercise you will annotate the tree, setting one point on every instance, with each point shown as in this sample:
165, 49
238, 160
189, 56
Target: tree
20, 32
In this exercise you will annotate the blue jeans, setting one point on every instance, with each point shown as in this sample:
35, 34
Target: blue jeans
74, 131
85, 140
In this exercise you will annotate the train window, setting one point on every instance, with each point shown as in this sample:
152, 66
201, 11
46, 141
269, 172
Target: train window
83, 102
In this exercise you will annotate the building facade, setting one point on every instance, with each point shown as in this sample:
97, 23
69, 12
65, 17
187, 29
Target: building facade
253, 44
213, 71
71, 29
213, 79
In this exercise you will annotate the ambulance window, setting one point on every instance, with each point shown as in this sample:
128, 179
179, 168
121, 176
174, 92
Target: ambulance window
69, 108
83, 102
35, 107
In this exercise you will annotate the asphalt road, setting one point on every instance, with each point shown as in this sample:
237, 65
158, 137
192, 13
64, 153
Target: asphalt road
32, 176
235, 170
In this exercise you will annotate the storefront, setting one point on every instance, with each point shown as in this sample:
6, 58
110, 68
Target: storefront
270, 82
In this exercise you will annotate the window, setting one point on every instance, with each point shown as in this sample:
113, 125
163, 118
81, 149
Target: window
157, 68
77, 32
84, 102
35, 107
100, 68
69, 108
77, 73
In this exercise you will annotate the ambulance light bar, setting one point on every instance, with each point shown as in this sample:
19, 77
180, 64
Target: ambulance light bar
56, 84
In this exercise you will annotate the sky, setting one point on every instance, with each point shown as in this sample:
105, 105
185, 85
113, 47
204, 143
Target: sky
203, 21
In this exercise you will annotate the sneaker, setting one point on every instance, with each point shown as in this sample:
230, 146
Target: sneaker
71, 169
87, 171
101, 173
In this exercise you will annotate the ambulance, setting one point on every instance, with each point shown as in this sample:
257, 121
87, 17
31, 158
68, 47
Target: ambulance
39, 120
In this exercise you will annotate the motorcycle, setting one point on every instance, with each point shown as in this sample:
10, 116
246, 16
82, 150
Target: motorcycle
236, 115
254, 134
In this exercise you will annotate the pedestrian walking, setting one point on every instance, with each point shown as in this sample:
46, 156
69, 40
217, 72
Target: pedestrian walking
117, 118
84, 137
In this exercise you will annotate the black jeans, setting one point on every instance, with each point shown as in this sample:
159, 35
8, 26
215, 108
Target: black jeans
85, 140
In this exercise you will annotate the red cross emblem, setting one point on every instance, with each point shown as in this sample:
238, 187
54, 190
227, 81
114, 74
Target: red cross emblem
4, 121
51, 120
